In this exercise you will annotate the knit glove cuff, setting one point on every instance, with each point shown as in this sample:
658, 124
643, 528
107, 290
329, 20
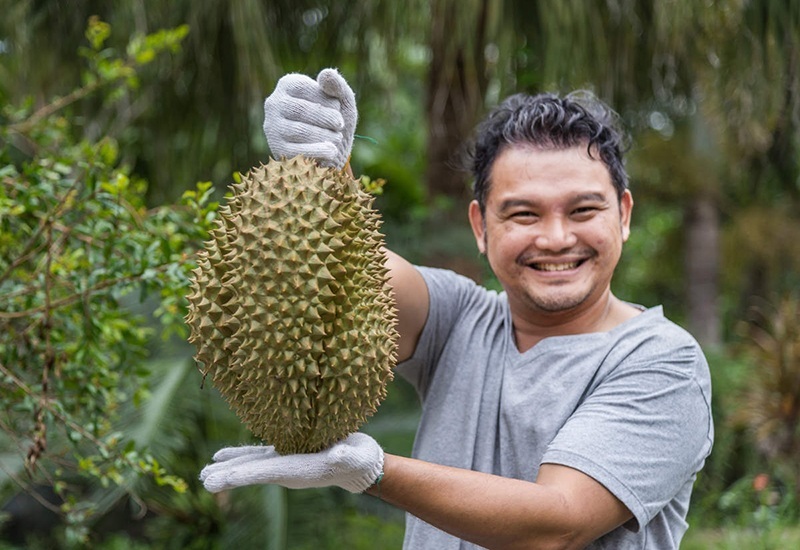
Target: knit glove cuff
354, 464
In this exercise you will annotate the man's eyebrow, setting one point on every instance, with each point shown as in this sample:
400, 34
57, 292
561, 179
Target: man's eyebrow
513, 203
600, 197
582, 197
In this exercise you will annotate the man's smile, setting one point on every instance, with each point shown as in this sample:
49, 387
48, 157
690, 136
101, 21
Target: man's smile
555, 266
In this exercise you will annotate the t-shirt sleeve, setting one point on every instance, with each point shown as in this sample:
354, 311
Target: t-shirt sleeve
449, 292
644, 431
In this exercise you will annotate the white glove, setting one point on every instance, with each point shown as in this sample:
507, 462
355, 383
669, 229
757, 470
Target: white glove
353, 464
316, 119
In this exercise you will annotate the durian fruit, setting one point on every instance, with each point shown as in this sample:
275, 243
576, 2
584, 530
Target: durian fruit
290, 308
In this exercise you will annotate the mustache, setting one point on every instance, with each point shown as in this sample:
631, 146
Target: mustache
527, 258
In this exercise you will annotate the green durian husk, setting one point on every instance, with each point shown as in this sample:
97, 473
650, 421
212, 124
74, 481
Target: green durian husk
290, 308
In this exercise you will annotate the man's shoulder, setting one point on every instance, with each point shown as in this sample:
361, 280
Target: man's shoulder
447, 285
653, 324
440, 273
654, 339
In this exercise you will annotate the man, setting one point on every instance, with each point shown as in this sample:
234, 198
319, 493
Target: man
554, 414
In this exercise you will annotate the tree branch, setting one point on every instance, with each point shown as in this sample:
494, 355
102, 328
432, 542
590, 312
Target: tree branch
81, 296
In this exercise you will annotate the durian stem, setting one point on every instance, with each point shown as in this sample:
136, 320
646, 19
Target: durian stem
348, 169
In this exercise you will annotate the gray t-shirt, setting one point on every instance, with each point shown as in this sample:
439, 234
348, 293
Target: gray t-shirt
631, 408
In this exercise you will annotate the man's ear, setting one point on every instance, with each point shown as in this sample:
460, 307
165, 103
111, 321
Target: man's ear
626, 209
478, 226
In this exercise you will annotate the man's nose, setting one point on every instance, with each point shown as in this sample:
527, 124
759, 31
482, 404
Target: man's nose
555, 234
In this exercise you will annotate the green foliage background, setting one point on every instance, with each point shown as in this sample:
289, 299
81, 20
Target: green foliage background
113, 112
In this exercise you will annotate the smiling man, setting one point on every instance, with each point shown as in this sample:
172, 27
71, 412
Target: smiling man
552, 229
555, 415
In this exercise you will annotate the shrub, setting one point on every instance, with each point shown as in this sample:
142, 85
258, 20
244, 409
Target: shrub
78, 244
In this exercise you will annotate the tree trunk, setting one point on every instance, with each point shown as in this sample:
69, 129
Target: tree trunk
702, 271
456, 87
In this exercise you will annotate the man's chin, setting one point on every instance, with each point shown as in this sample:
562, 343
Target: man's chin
558, 303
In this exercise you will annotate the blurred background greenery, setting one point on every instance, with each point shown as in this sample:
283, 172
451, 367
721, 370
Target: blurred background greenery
116, 119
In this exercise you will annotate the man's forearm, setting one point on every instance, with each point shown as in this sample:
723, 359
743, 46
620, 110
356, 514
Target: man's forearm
489, 510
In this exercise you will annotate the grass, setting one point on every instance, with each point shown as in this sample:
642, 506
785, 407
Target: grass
741, 538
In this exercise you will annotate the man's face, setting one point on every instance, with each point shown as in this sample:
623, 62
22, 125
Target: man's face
553, 228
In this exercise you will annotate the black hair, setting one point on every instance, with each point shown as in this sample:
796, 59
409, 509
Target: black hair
548, 122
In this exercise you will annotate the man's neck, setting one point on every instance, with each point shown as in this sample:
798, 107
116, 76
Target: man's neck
602, 316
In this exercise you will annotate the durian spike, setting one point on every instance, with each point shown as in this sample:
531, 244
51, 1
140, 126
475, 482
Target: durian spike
347, 169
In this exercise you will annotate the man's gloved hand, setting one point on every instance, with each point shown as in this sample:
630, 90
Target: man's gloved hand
315, 118
353, 464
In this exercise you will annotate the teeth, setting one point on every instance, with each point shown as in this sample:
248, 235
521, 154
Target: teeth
556, 267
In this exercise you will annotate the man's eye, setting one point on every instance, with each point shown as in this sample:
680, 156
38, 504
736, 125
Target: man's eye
584, 211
